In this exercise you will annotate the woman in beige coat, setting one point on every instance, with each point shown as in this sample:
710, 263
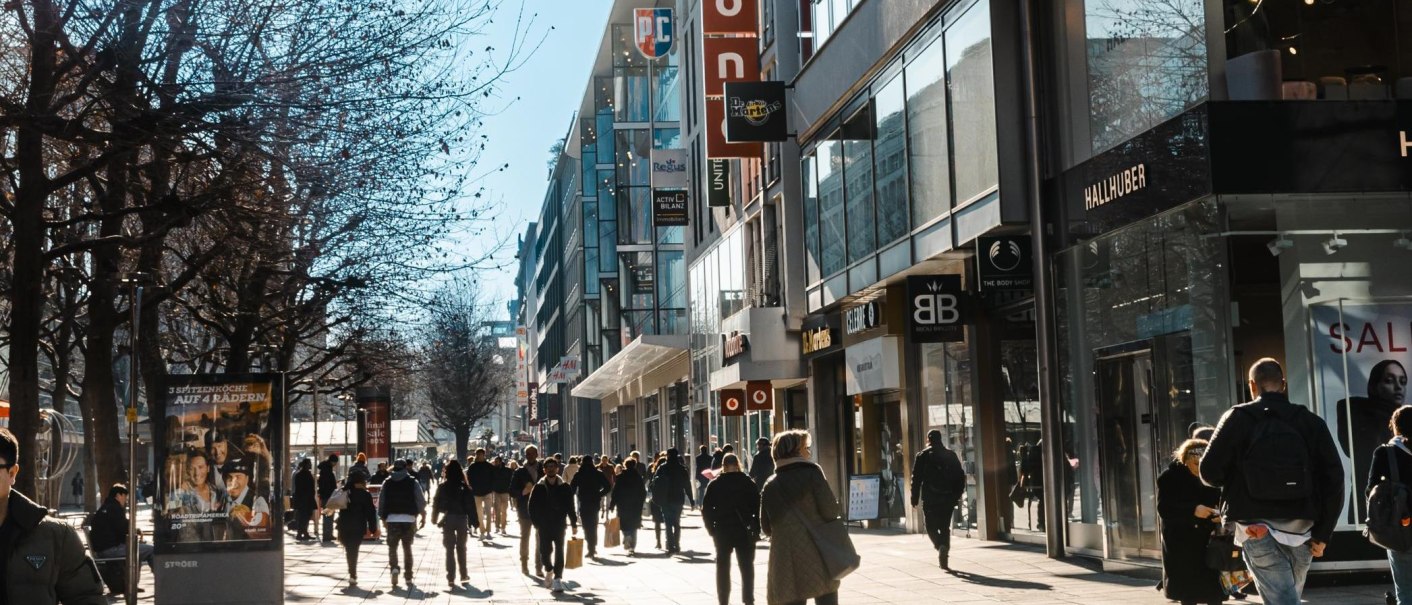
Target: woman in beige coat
795, 498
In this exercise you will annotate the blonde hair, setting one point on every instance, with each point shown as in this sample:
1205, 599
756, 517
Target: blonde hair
1190, 447
789, 444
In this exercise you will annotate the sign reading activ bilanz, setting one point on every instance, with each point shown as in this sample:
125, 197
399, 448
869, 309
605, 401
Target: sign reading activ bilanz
669, 208
936, 310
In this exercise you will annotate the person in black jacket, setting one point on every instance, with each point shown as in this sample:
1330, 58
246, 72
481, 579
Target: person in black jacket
938, 481
671, 488
703, 463
1279, 529
303, 501
590, 486
400, 504
1188, 509
521, 484
763, 464
453, 505
1401, 447
107, 528
551, 501
481, 476
500, 487
328, 482
730, 510
629, 494
358, 520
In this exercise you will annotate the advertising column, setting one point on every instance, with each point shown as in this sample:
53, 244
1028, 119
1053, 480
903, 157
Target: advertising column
219, 495
375, 424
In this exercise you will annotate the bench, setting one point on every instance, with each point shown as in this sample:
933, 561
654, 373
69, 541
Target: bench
113, 570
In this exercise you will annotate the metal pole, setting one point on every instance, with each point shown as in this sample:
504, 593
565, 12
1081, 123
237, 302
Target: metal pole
134, 282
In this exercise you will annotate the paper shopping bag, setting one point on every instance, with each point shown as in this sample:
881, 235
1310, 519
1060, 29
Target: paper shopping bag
573, 554
611, 535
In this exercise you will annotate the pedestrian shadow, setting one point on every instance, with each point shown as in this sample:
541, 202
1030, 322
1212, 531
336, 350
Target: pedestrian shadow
606, 562
576, 597
652, 555
415, 594
692, 556
974, 578
361, 593
471, 592
495, 545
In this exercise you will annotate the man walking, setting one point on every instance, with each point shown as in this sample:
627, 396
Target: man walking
1282, 480
590, 486
671, 489
500, 488
703, 463
521, 484
938, 482
763, 464
400, 504
328, 482
551, 501
482, 478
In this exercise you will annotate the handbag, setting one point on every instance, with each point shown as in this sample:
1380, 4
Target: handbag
835, 547
573, 553
1018, 494
1222, 553
338, 500
611, 537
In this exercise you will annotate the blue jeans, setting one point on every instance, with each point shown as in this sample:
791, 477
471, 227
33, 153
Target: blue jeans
1401, 563
1279, 570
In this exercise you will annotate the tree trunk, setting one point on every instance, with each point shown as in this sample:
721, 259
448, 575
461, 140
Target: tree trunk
98, 399
463, 439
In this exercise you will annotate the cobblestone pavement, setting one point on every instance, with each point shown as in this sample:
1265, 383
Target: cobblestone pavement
897, 568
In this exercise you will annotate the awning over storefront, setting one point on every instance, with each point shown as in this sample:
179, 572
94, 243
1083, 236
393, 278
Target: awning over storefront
344, 433
640, 358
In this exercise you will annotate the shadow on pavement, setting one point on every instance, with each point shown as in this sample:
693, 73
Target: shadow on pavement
973, 578
606, 562
471, 592
361, 593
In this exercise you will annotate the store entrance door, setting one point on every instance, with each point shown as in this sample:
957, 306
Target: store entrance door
1126, 418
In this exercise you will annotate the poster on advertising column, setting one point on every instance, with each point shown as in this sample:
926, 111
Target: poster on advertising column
1361, 356
219, 490
375, 423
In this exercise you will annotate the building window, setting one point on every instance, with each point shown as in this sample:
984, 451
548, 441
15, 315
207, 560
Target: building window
972, 90
831, 219
606, 148
928, 158
634, 160
890, 161
858, 186
671, 287
666, 91
666, 138
635, 215
807, 171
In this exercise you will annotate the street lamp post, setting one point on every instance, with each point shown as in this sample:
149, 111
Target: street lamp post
135, 283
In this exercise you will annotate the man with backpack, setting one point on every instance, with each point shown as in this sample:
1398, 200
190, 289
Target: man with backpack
938, 482
1282, 481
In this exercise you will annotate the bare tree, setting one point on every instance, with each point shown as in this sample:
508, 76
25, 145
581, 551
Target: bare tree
466, 374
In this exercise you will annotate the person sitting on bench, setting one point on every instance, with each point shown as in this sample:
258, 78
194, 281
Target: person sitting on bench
108, 529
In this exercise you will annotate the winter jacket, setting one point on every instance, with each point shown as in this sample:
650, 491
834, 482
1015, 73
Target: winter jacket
457, 503
796, 569
703, 462
1184, 536
401, 495
550, 505
1379, 467
482, 477
629, 494
730, 509
937, 477
303, 498
359, 518
1221, 466
590, 486
328, 482
1370, 429
45, 563
500, 479
761, 467
670, 485
524, 478
107, 527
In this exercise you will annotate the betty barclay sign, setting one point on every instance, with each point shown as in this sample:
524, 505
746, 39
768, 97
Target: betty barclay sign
653, 31
936, 308
755, 112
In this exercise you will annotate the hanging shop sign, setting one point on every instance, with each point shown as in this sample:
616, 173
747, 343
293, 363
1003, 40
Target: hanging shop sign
936, 308
729, 16
220, 493
873, 365
375, 423
755, 112
718, 183
734, 345
669, 169
669, 208
732, 402
759, 395
863, 317
716, 144
653, 31
1004, 263
729, 60
821, 335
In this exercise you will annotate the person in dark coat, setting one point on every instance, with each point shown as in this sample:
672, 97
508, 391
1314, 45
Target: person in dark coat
1401, 424
1189, 516
730, 510
303, 501
328, 482
589, 487
795, 499
551, 504
358, 520
481, 477
522, 482
500, 486
763, 464
1370, 417
629, 494
671, 488
937, 483
703, 463
452, 506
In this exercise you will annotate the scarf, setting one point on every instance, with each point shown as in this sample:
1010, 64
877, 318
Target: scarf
783, 462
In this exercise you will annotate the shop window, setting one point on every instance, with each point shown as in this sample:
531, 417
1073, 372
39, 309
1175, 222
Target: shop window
1344, 50
928, 159
890, 162
831, 210
949, 397
810, 189
971, 83
1146, 63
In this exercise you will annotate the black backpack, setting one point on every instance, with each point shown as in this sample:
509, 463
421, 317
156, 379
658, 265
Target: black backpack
1389, 516
1276, 463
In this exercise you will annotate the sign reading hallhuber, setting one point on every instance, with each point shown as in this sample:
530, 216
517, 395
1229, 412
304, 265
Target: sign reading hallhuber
669, 208
1004, 263
755, 112
219, 495
375, 423
936, 308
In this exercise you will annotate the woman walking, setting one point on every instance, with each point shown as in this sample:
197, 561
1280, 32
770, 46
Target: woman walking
1401, 447
730, 509
655, 507
356, 521
303, 501
796, 498
1189, 516
454, 504
629, 494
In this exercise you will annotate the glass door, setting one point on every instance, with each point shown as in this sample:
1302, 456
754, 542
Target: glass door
1127, 454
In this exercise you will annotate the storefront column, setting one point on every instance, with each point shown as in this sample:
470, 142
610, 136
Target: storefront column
990, 426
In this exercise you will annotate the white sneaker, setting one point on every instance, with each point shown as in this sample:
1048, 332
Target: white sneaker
558, 586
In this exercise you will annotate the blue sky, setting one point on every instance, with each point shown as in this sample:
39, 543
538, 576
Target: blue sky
549, 88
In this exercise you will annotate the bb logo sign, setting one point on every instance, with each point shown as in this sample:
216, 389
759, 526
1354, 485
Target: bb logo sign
936, 308
653, 31
732, 402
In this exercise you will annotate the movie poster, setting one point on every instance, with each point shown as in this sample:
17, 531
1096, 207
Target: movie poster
1361, 356
219, 486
